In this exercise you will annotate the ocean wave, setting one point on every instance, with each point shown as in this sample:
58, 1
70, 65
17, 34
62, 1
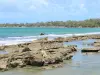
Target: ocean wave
24, 39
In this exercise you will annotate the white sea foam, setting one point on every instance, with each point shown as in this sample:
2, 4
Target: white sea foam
23, 39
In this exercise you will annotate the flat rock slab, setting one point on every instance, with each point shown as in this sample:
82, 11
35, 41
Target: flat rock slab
90, 50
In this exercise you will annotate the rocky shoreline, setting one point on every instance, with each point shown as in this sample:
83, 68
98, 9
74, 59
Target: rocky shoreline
38, 53
41, 53
75, 38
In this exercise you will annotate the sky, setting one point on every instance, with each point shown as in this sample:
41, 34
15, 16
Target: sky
22, 11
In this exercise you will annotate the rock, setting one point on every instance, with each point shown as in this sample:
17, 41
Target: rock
2, 47
26, 49
68, 57
51, 45
38, 53
33, 59
73, 49
47, 68
44, 54
59, 39
71, 46
96, 44
90, 50
52, 66
42, 33
3, 65
73, 38
43, 39
16, 63
34, 46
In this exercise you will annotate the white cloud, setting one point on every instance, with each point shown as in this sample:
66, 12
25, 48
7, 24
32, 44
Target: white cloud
36, 4
77, 7
31, 5
31, 8
13, 8
23, 4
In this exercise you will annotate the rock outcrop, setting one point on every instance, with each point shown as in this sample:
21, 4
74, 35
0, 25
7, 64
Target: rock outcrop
73, 38
39, 53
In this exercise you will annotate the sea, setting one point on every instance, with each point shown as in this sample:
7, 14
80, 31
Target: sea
9, 36
80, 64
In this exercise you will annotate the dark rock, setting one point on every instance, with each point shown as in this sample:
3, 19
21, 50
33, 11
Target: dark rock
42, 33
16, 63
26, 49
90, 50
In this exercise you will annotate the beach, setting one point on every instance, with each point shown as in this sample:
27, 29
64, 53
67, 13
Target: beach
62, 51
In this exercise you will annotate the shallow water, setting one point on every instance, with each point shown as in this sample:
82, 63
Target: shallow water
3, 52
80, 64
81, 44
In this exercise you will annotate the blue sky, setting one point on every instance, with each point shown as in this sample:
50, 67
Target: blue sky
22, 11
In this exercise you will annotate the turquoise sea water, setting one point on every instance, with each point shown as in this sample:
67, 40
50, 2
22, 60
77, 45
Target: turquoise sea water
20, 35
4, 32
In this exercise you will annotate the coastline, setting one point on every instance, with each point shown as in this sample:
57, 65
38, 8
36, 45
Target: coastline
42, 52
50, 27
13, 40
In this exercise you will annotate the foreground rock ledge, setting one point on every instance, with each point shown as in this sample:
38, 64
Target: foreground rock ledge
39, 53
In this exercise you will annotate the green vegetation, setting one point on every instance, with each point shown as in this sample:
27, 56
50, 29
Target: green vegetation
85, 23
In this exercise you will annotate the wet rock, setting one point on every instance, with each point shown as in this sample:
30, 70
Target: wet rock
73, 49
42, 33
39, 53
33, 59
2, 47
71, 46
53, 60
16, 63
26, 49
96, 43
90, 50
52, 66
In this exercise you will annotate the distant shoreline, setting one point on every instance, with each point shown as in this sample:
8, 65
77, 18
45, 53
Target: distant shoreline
49, 27
89, 23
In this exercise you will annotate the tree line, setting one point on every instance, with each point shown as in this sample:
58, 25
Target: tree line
69, 23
